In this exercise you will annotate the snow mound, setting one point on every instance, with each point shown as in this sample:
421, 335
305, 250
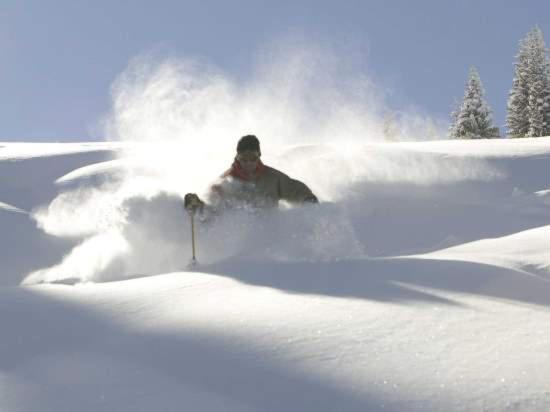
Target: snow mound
420, 283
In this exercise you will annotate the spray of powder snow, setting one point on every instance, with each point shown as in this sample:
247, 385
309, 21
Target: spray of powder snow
318, 119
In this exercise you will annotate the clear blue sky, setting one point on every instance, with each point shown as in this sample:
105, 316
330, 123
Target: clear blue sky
59, 57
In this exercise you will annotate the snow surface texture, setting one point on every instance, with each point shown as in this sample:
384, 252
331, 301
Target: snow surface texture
421, 282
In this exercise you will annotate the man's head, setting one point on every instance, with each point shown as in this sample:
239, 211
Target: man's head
248, 152
248, 143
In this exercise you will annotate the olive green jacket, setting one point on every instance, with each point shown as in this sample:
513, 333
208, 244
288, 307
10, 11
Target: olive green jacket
265, 191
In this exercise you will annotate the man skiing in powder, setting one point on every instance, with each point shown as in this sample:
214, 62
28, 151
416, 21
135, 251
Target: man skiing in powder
250, 183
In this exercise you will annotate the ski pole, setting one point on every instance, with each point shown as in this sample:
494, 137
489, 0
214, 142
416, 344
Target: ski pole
192, 203
194, 258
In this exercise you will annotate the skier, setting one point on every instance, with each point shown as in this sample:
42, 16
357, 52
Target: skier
250, 184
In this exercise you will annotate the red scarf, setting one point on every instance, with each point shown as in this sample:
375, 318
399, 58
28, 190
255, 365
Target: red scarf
237, 171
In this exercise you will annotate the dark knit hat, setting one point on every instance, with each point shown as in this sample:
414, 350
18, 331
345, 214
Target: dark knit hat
249, 143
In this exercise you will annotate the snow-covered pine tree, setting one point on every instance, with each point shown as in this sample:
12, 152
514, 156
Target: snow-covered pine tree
537, 84
546, 105
390, 127
473, 119
517, 118
454, 117
529, 99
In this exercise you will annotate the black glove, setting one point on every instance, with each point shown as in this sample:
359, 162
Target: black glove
311, 199
192, 202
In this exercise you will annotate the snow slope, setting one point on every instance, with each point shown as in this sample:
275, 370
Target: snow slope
421, 283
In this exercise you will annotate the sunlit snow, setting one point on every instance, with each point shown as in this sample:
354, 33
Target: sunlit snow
421, 282
413, 289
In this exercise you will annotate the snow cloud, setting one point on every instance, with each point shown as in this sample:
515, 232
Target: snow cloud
317, 116
188, 115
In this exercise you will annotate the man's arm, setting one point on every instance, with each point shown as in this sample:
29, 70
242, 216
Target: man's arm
294, 191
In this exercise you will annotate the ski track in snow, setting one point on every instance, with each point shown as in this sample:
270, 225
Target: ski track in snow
423, 286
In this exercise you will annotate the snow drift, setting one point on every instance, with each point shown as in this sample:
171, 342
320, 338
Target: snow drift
421, 286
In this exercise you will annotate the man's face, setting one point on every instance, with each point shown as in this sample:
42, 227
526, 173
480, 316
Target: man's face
248, 160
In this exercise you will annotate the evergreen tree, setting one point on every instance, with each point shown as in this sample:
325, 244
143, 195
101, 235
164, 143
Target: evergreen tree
546, 104
454, 120
517, 118
472, 119
529, 98
390, 127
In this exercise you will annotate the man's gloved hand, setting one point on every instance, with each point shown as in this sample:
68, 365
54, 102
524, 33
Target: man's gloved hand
192, 202
311, 199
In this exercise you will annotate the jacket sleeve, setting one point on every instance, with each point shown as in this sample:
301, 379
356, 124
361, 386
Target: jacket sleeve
293, 190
